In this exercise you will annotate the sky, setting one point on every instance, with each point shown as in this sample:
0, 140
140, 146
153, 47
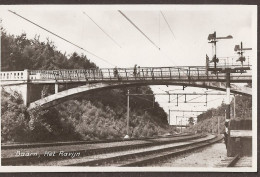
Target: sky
187, 46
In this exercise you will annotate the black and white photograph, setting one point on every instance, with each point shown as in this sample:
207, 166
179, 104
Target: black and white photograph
128, 88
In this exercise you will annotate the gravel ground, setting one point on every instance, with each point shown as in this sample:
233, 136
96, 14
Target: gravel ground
66, 148
207, 157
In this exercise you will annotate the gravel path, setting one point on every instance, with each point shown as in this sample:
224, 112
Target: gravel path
207, 157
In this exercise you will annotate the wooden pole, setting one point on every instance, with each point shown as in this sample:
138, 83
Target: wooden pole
127, 124
218, 126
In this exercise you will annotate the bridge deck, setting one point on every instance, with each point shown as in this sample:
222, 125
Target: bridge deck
121, 75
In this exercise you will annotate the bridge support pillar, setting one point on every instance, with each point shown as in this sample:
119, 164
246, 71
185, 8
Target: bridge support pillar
23, 88
56, 88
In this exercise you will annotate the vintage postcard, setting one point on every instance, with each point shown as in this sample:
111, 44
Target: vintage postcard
128, 88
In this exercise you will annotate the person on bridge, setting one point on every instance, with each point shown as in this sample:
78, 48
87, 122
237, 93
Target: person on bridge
135, 70
115, 72
100, 73
138, 73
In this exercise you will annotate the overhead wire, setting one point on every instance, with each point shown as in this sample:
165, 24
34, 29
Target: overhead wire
214, 99
142, 98
163, 91
146, 36
195, 98
102, 29
159, 29
61, 38
146, 100
176, 98
174, 37
161, 50
138, 28
168, 24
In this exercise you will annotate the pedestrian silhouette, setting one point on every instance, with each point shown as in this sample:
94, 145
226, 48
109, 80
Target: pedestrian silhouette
135, 70
115, 72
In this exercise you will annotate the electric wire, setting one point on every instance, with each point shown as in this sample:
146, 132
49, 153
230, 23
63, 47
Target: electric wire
61, 38
171, 31
141, 98
159, 30
168, 24
195, 98
138, 29
176, 97
164, 99
168, 58
214, 99
102, 29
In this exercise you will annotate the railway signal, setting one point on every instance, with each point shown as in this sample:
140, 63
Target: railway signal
213, 39
227, 70
240, 50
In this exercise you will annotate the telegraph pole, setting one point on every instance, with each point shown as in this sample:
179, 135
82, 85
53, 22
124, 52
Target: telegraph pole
234, 106
228, 95
212, 123
169, 116
127, 124
181, 125
218, 125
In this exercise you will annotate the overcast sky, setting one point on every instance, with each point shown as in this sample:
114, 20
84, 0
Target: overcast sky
190, 25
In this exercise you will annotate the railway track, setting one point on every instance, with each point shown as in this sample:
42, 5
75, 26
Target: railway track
145, 157
233, 161
236, 161
48, 144
9, 157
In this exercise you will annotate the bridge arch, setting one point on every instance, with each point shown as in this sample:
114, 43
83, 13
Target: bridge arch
65, 95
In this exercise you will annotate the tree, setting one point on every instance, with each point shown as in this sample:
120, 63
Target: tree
95, 116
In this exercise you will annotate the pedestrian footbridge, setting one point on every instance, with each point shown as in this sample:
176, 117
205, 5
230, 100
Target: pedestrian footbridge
91, 80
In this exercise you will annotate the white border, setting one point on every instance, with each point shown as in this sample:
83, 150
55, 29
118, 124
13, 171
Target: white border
161, 169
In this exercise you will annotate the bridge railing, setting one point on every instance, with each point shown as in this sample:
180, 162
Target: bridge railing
118, 74
140, 73
231, 62
14, 75
144, 73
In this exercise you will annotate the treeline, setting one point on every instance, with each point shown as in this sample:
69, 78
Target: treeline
94, 116
208, 121
243, 109
19, 53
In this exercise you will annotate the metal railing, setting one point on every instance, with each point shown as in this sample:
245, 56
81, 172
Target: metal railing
144, 73
231, 62
119, 74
